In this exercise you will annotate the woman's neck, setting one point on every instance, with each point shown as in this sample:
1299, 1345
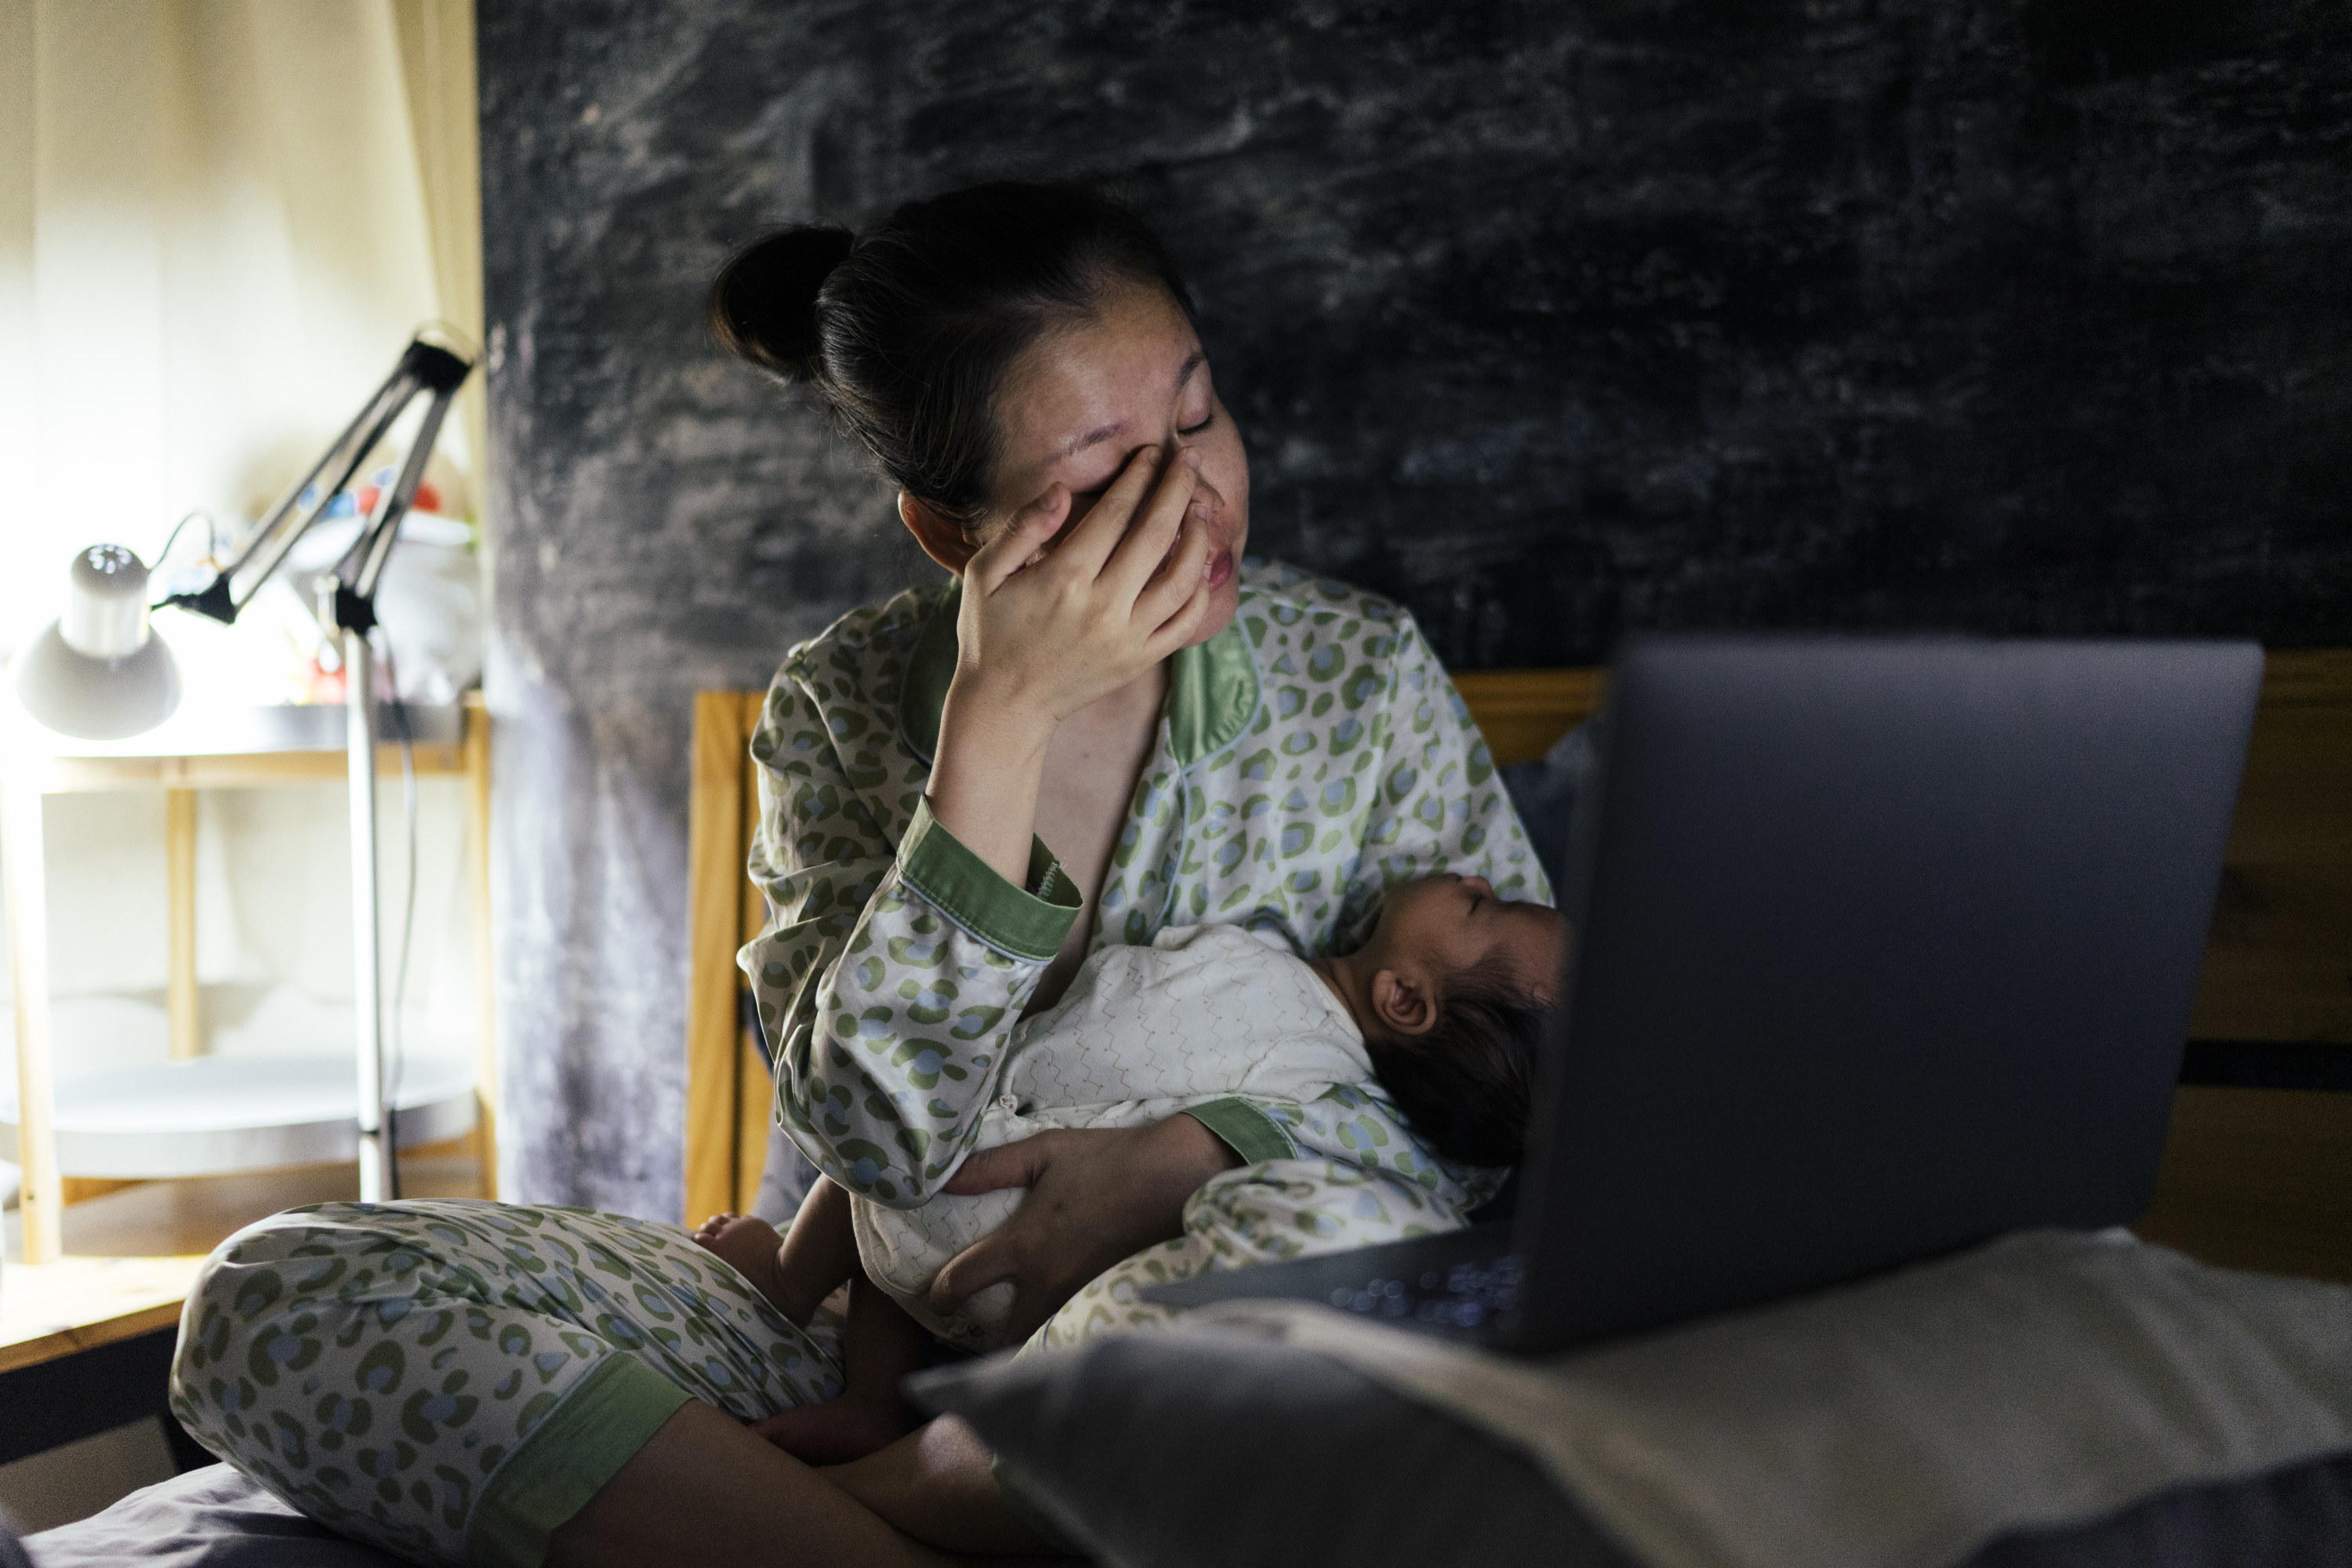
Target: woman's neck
1117, 727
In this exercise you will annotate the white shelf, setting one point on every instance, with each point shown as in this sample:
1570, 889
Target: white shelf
212, 1115
200, 730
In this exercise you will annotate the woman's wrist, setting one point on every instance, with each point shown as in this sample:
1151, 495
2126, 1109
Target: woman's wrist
1186, 1154
1170, 1162
985, 775
993, 726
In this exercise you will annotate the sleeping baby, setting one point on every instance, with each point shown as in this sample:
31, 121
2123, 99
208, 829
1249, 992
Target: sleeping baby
1442, 1006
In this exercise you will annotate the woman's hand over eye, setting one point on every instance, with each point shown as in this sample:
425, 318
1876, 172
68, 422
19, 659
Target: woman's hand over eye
1048, 625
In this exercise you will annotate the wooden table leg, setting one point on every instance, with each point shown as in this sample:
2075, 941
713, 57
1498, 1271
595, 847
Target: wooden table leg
180, 857
21, 866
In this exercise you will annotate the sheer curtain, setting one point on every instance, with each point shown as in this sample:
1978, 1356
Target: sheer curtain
219, 221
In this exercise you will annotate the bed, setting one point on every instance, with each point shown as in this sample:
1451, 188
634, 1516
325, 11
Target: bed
1428, 1490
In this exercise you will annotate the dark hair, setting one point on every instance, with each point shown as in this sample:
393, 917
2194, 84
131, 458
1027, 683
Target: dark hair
1467, 1086
905, 331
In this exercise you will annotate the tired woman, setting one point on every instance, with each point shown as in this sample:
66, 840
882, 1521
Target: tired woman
1107, 721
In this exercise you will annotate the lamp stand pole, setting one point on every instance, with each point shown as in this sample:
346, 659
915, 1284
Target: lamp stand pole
367, 952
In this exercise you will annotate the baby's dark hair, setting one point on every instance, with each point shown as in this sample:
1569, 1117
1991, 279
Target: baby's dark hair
906, 331
1468, 1085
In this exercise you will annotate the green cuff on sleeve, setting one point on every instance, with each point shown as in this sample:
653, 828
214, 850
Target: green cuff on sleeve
1253, 1134
600, 1423
1026, 922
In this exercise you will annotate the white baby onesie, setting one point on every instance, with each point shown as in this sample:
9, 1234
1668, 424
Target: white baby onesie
1204, 1012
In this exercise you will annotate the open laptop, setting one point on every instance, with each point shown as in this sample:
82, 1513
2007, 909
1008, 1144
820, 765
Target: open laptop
1887, 946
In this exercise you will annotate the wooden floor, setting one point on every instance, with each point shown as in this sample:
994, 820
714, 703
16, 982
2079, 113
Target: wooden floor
132, 1252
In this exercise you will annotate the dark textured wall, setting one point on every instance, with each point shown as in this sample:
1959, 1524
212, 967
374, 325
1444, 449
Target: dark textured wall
1548, 319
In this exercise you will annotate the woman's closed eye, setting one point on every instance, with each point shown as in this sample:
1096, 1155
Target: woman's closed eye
1081, 500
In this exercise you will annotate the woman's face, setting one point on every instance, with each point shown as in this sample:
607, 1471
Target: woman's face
1084, 400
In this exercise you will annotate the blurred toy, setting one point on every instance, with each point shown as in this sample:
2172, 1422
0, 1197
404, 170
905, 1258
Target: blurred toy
429, 604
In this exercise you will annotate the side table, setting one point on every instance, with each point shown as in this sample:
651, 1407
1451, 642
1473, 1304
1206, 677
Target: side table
195, 1114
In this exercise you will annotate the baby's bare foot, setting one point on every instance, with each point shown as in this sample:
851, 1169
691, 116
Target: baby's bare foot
749, 1246
838, 1430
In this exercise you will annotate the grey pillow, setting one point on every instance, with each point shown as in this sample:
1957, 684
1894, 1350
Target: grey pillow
1168, 1451
1173, 1451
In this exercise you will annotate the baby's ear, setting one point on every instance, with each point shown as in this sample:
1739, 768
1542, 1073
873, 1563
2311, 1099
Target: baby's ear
1403, 1006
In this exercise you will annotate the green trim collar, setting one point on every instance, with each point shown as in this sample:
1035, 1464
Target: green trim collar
1211, 695
1212, 689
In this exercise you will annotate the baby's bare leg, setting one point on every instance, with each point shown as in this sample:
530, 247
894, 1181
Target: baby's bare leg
798, 1271
879, 1345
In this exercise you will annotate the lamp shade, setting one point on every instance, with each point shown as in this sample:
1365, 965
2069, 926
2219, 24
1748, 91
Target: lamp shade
99, 673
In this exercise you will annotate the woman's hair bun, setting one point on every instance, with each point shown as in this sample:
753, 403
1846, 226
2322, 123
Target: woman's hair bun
764, 302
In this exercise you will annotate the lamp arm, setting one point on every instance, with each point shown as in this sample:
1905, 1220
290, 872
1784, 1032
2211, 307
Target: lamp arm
285, 523
362, 566
423, 366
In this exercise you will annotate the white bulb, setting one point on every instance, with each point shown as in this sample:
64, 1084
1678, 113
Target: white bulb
106, 606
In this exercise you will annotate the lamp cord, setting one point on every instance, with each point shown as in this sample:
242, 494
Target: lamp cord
211, 538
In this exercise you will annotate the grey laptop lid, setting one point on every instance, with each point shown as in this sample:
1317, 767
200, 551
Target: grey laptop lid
1888, 946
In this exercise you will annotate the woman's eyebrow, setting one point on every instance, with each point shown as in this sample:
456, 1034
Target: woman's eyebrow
1077, 443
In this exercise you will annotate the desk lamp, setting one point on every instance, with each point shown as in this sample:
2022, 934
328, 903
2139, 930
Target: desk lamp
98, 672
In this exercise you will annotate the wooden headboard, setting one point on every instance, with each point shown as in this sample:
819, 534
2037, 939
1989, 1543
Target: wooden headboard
2258, 1173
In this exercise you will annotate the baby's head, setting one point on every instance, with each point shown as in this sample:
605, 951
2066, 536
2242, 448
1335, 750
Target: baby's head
1451, 989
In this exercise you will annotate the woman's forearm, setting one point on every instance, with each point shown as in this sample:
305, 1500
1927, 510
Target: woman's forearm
1059, 610
986, 774
834, 867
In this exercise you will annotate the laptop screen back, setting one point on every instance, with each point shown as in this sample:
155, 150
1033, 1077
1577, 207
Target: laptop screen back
1886, 946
